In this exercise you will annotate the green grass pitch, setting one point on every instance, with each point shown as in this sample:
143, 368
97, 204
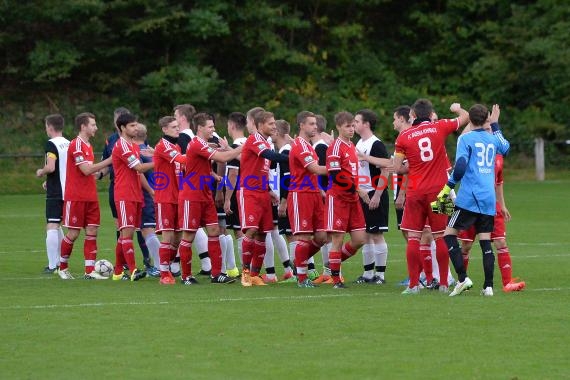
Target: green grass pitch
53, 329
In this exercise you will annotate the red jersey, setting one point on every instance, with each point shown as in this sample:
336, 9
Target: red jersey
166, 184
423, 145
301, 155
126, 155
498, 169
197, 182
78, 186
254, 169
342, 158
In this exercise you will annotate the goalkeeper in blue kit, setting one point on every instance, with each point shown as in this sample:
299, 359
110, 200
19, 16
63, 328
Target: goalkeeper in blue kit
475, 202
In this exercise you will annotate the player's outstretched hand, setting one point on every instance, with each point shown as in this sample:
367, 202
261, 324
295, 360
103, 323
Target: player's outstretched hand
455, 107
495, 113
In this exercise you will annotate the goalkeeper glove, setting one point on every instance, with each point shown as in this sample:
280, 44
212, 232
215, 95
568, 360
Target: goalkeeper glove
444, 194
446, 207
443, 204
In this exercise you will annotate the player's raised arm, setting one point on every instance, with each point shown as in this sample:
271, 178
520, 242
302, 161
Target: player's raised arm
503, 144
462, 115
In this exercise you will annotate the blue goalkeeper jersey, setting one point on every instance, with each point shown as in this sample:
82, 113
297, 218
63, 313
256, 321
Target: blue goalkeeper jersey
478, 148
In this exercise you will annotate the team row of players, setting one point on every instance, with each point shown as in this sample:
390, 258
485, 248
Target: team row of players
193, 206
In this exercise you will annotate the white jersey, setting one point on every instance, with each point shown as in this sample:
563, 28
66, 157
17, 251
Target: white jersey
188, 132
61, 144
364, 168
234, 164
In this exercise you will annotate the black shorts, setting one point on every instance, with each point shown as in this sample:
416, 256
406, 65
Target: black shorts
232, 220
54, 210
462, 219
376, 220
284, 226
399, 215
112, 200
148, 218
275, 212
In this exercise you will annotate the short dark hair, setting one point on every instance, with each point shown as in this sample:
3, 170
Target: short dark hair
83, 118
262, 117
165, 120
478, 115
303, 115
125, 119
342, 118
368, 116
321, 123
200, 119
422, 108
238, 119
56, 121
403, 111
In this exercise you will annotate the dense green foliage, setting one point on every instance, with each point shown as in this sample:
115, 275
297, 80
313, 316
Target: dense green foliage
228, 55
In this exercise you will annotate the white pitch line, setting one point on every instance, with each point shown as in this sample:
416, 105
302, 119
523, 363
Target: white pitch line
240, 299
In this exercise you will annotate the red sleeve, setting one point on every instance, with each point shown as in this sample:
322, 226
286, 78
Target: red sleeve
204, 151
448, 126
399, 147
333, 159
128, 156
260, 146
499, 170
306, 157
170, 154
79, 156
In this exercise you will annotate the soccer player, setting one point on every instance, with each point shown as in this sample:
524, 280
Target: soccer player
81, 207
148, 219
129, 199
255, 196
236, 130
375, 183
169, 162
184, 113
305, 202
320, 146
498, 236
343, 211
279, 180
423, 145
54, 169
401, 122
476, 202
196, 206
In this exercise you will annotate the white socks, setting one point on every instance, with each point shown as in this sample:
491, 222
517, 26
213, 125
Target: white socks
368, 260
153, 245
269, 259
229, 257
53, 246
280, 245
